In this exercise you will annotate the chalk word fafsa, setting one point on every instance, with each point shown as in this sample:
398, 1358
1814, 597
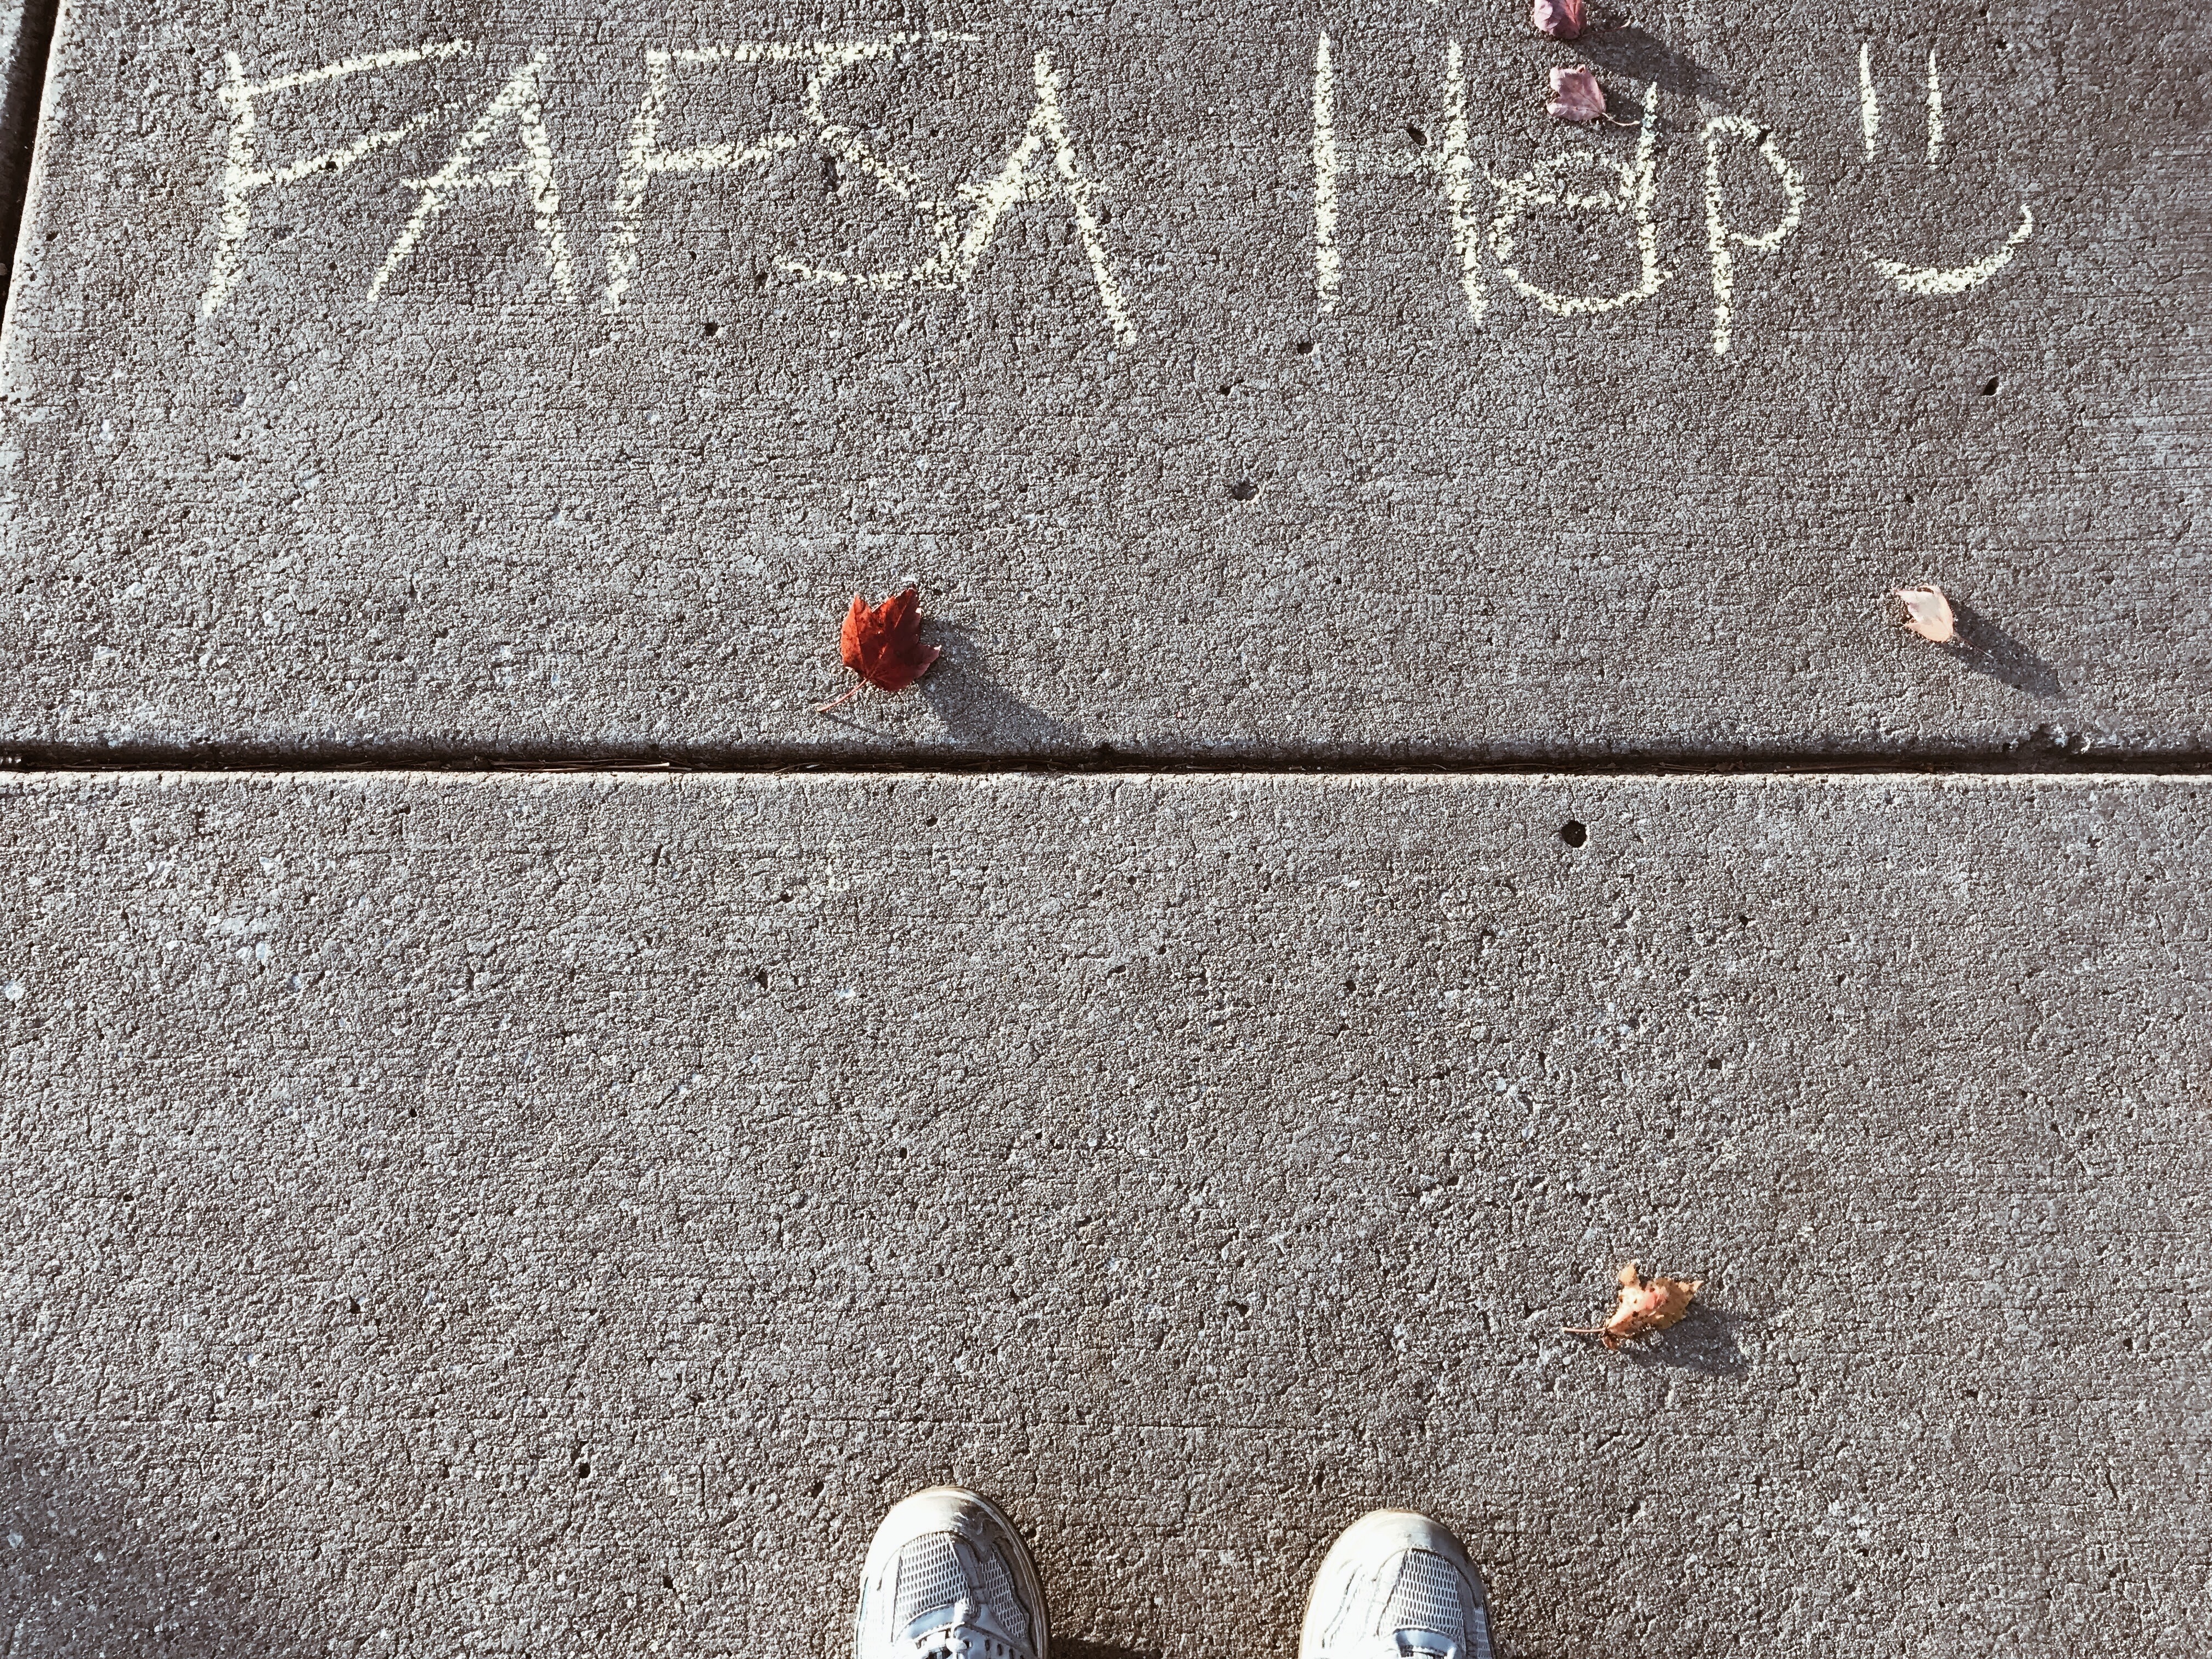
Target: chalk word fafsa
505, 146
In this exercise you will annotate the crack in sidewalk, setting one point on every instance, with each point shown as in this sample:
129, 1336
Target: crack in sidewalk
2041, 759
27, 35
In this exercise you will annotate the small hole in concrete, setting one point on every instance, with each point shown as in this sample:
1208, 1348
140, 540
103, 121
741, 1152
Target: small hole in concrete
1417, 135
760, 978
1990, 387
1244, 490
930, 823
712, 330
1573, 832
1303, 348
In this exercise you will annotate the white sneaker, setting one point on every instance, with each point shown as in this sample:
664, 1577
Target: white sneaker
1396, 1584
948, 1577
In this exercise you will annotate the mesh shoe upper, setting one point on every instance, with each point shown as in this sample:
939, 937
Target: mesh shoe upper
1428, 1598
1396, 1586
999, 1595
947, 1578
928, 1577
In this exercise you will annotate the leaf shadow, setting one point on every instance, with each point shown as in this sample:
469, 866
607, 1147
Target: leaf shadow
1987, 649
1628, 53
1086, 1650
1708, 1341
87, 1577
980, 713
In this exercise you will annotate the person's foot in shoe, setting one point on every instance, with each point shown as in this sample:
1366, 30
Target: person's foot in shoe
948, 1577
1396, 1585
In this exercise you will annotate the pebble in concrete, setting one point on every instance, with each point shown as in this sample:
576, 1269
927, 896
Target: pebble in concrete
453, 1216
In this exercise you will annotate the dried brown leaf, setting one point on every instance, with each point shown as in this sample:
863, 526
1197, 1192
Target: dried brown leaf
1563, 19
1646, 1304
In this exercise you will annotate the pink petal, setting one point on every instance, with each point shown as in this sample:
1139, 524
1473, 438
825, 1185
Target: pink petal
1927, 614
1576, 94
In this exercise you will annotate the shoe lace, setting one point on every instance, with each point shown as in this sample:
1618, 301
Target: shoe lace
961, 1635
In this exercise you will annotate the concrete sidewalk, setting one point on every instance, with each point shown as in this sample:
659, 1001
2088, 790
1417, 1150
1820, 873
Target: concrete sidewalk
558, 1216
511, 379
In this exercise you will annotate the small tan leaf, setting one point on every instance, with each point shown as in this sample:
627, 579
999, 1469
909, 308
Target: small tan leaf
1927, 614
1646, 1304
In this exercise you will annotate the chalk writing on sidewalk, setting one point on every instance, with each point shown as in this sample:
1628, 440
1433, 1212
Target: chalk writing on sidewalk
505, 144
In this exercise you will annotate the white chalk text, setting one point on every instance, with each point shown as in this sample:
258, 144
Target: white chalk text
504, 143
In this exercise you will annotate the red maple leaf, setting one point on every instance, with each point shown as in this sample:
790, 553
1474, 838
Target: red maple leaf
882, 644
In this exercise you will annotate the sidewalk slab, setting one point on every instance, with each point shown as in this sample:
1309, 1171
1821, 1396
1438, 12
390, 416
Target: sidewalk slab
559, 1215
512, 378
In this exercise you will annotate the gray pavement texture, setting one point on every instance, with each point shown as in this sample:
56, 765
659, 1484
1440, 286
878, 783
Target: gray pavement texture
558, 1215
468, 376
